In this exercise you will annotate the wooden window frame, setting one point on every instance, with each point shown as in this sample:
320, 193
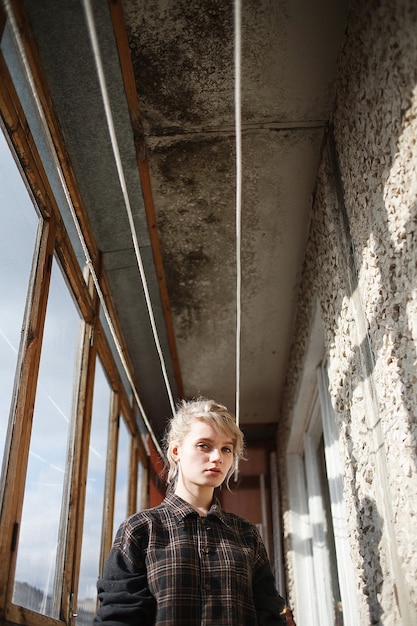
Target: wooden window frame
53, 241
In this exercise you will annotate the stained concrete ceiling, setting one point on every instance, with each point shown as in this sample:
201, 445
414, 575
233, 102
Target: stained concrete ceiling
182, 55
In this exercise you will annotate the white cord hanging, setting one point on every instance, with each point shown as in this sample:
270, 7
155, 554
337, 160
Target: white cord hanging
89, 263
238, 133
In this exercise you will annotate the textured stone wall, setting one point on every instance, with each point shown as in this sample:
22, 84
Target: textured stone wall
362, 268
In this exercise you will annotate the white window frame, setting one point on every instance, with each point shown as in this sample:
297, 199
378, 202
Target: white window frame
335, 476
312, 567
317, 520
306, 608
313, 414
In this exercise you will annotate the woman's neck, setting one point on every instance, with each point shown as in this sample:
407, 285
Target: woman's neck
200, 499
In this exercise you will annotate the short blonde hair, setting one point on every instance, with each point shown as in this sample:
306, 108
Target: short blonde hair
207, 411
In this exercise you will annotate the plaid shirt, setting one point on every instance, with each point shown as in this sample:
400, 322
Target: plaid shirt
171, 567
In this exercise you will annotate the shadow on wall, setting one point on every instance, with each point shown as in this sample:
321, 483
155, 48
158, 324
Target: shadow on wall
370, 524
381, 177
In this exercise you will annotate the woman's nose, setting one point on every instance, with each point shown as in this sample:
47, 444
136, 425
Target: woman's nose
215, 455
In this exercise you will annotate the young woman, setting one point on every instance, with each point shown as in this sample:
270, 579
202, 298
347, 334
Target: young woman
187, 562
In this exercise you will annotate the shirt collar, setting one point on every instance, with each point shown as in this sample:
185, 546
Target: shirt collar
181, 509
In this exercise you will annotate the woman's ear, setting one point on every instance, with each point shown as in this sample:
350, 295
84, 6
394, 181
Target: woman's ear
175, 453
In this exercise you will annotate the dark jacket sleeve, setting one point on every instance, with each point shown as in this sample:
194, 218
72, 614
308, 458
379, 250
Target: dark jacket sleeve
268, 603
123, 590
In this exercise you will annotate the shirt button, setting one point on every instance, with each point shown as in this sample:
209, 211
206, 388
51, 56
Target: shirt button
206, 550
207, 587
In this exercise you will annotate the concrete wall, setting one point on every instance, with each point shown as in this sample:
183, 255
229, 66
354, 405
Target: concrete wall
361, 270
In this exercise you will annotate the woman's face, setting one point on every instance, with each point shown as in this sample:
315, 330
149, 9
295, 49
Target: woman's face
205, 456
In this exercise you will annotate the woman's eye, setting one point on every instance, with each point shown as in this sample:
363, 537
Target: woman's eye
202, 446
228, 450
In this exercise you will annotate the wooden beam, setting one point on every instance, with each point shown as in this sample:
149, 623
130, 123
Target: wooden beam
123, 48
110, 481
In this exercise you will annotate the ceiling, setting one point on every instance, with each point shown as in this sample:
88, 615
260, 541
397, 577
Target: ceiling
176, 112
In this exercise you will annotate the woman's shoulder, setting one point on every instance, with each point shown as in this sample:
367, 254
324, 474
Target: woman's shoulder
136, 529
144, 517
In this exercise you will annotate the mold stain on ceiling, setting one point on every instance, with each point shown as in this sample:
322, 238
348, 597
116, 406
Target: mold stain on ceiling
182, 57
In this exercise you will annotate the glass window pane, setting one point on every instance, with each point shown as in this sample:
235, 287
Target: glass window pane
141, 496
122, 475
93, 516
39, 532
18, 226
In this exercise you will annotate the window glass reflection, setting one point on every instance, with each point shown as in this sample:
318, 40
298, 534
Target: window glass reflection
93, 516
39, 533
142, 491
18, 225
